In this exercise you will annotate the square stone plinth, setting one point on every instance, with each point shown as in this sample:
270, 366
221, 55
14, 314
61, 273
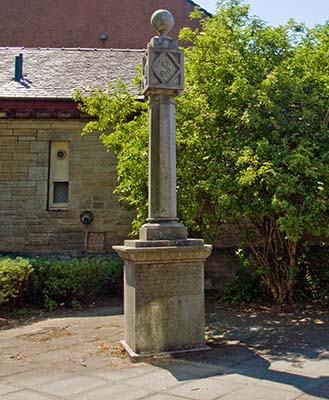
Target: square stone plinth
164, 297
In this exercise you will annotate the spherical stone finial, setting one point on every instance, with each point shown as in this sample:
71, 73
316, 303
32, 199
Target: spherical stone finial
162, 21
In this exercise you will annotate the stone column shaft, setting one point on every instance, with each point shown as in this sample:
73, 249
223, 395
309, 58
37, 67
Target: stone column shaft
162, 160
163, 272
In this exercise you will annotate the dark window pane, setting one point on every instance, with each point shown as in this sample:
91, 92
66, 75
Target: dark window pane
61, 192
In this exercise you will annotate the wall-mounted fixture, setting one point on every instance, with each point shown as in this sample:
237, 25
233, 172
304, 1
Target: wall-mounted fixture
104, 36
59, 174
86, 217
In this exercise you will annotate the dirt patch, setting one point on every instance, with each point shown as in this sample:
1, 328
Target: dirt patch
46, 333
5, 323
116, 353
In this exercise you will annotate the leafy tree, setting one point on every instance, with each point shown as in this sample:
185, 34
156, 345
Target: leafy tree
252, 137
123, 122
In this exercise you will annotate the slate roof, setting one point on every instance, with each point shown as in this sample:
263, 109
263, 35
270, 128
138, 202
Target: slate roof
56, 73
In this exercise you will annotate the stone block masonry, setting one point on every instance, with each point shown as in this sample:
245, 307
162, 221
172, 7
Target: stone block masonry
164, 298
27, 226
164, 270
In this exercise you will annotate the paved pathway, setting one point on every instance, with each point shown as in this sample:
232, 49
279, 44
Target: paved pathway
254, 356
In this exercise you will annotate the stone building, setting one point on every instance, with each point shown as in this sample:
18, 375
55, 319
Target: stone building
56, 187
40, 135
85, 23
49, 174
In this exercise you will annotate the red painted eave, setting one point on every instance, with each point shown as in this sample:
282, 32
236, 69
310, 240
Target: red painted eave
50, 105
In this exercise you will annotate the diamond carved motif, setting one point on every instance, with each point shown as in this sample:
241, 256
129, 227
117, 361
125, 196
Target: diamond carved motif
163, 71
165, 68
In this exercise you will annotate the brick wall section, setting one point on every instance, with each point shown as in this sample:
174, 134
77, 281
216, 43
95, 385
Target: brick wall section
79, 23
26, 224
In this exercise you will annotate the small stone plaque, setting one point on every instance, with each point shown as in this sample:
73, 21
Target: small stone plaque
96, 242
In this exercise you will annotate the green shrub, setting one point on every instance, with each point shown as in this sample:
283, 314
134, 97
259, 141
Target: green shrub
14, 276
246, 287
71, 282
313, 279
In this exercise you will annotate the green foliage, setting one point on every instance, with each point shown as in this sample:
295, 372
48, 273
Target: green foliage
313, 278
14, 275
51, 282
118, 108
75, 281
246, 287
252, 137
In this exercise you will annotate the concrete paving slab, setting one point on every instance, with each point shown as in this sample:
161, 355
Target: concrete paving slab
308, 367
4, 388
157, 380
247, 372
7, 344
205, 389
69, 386
56, 358
165, 396
235, 378
14, 366
28, 395
117, 392
320, 392
259, 392
23, 350
186, 370
290, 381
36, 376
123, 374
273, 356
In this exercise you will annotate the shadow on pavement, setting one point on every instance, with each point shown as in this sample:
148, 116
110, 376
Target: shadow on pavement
105, 311
239, 361
288, 349
283, 336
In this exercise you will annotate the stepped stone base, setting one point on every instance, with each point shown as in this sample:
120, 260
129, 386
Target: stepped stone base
164, 297
145, 357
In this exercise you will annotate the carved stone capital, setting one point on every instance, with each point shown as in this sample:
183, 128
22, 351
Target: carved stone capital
163, 71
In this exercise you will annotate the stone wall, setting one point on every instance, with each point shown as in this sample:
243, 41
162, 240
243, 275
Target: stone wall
27, 226
220, 268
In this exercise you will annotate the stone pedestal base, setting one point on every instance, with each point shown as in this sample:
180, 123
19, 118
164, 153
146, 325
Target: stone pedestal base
145, 357
164, 298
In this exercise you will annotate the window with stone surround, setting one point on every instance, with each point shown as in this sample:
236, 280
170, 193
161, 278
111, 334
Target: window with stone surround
59, 172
